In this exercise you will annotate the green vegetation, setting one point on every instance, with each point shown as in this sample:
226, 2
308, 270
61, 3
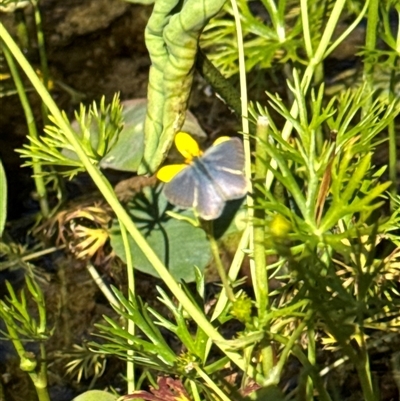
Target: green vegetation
320, 218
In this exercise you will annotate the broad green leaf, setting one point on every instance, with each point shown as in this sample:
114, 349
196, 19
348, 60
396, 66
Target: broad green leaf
3, 199
180, 245
96, 395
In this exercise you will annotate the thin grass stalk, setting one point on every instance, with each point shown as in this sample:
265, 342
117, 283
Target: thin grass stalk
44, 67
130, 366
311, 354
208, 227
211, 384
245, 123
370, 45
30, 121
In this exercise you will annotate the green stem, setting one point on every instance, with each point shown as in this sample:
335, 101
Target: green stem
130, 366
219, 83
312, 358
370, 46
306, 28
364, 373
211, 384
109, 195
30, 120
42, 54
38, 379
233, 273
208, 228
292, 341
42, 394
260, 280
41, 381
299, 354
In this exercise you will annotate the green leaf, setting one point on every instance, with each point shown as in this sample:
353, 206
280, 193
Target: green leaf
3, 199
172, 36
96, 395
145, 2
127, 153
177, 243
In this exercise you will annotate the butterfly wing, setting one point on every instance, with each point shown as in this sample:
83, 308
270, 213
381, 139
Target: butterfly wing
192, 188
180, 191
209, 202
224, 164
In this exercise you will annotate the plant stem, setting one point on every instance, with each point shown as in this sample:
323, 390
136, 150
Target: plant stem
219, 83
42, 54
41, 381
370, 45
108, 193
208, 227
130, 366
312, 358
233, 273
260, 280
211, 384
102, 285
30, 121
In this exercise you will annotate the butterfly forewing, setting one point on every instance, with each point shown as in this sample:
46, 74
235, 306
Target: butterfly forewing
224, 165
227, 155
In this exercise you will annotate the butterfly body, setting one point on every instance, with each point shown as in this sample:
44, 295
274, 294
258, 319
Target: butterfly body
210, 180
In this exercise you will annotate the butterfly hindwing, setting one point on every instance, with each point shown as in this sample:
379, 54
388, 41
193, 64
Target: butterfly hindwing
208, 201
180, 191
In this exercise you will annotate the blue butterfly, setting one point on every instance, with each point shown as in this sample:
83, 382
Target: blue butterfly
207, 180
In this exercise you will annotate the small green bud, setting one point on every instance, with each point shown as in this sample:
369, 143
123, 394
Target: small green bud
280, 226
241, 308
28, 362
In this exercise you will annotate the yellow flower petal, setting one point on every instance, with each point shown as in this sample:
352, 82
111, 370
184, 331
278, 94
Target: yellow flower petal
167, 173
187, 146
220, 140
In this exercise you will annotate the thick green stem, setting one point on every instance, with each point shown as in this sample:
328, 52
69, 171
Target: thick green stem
260, 280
